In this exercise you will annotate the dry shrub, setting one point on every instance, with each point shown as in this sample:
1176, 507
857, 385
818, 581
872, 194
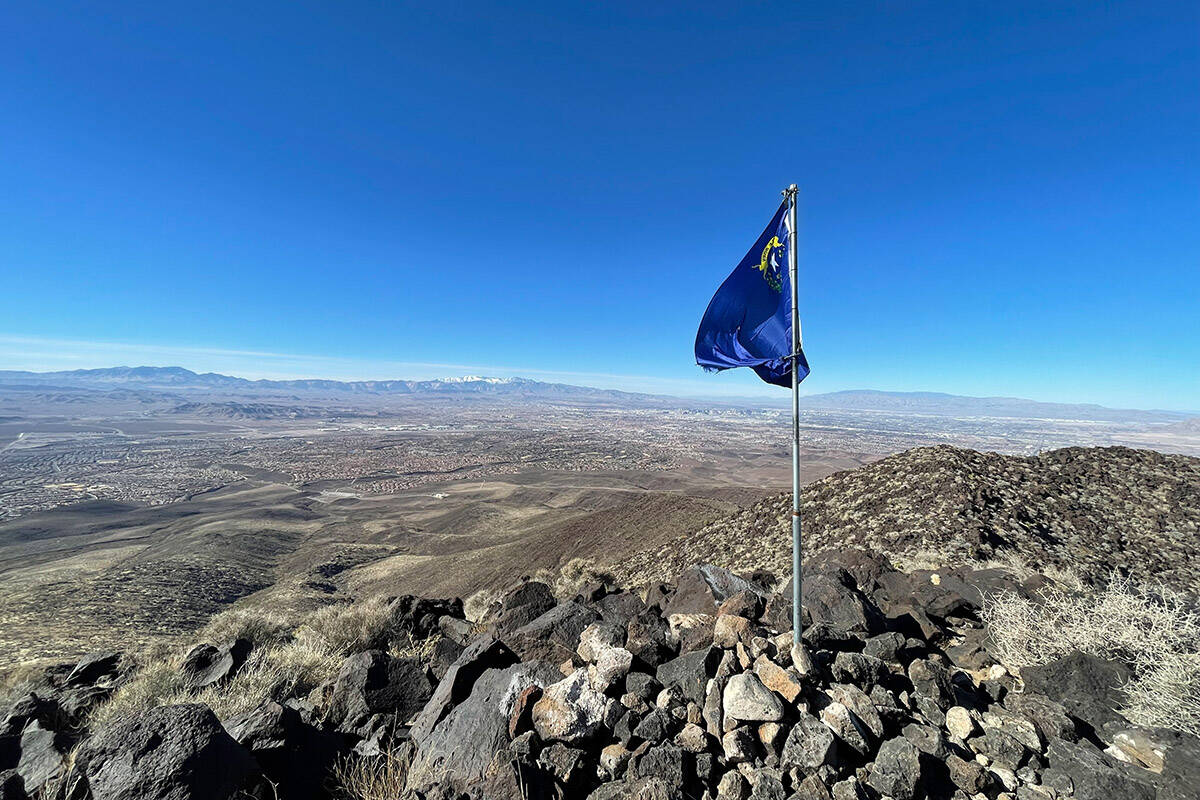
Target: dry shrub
158, 683
1154, 629
575, 574
346, 629
271, 673
257, 626
280, 665
379, 777
477, 606
408, 646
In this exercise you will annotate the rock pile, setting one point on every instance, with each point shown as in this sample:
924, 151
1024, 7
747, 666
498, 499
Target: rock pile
689, 689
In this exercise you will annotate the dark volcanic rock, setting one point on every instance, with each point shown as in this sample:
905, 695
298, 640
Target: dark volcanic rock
459, 749
418, 616
208, 665
42, 756
94, 668
375, 683
295, 757
690, 672
1095, 776
484, 653
553, 636
829, 600
1086, 686
701, 590
523, 605
166, 753
897, 769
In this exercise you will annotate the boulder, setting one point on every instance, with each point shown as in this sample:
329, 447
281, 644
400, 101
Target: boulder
572, 711
897, 769
619, 608
690, 672
1086, 686
860, 669
930, 679
598, 636
730, 629
842, 608
553, 636
959, 723
421, 617
459, 747
42, 756
655, 727
746, 699
522, 605
1049, 717
648, 638
747, 603
970, 776
375, 683
810, 744
166, 753
664, 762
701, 590
612, 664
860, 705
839, 719
295, 757
777, 679
95, 668
811, 788
208, 665
484, 653
1094, 775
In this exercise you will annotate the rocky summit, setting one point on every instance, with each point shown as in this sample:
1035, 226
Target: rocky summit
1091, 510
674, 690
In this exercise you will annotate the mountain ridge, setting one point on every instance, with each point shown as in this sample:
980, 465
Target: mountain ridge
869, 400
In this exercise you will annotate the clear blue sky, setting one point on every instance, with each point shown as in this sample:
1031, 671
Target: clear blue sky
997, 198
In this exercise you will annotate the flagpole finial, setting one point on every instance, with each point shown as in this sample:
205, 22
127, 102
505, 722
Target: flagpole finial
790, 191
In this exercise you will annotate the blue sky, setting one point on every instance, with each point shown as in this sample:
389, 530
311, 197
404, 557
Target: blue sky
996, 198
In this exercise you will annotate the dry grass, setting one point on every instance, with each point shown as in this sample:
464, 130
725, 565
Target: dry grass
64, 785
575, 574
259, 627
273, 673
346, 629
380, 777
476, 607
154, 685
284, 662
1154, 629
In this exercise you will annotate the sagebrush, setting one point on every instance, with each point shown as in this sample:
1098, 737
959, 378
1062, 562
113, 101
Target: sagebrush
1152, 628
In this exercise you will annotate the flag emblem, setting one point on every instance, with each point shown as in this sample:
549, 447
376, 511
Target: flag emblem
769, 264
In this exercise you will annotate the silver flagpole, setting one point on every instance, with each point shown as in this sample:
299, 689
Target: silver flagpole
793, 249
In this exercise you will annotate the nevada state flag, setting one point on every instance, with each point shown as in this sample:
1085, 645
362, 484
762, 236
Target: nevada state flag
749, 320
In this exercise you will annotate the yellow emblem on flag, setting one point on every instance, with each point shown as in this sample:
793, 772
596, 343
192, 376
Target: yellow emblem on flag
769, 264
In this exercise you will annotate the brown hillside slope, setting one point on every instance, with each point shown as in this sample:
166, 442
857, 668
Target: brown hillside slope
1089, 509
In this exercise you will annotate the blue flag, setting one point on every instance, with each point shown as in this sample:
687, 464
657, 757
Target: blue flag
749, 320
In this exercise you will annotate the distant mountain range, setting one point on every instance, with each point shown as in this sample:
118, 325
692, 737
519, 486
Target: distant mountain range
952, 405
931, 403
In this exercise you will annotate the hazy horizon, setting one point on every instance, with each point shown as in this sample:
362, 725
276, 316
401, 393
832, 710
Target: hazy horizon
428, 372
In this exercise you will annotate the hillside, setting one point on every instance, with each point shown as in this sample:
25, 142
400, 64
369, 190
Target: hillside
1089, 509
